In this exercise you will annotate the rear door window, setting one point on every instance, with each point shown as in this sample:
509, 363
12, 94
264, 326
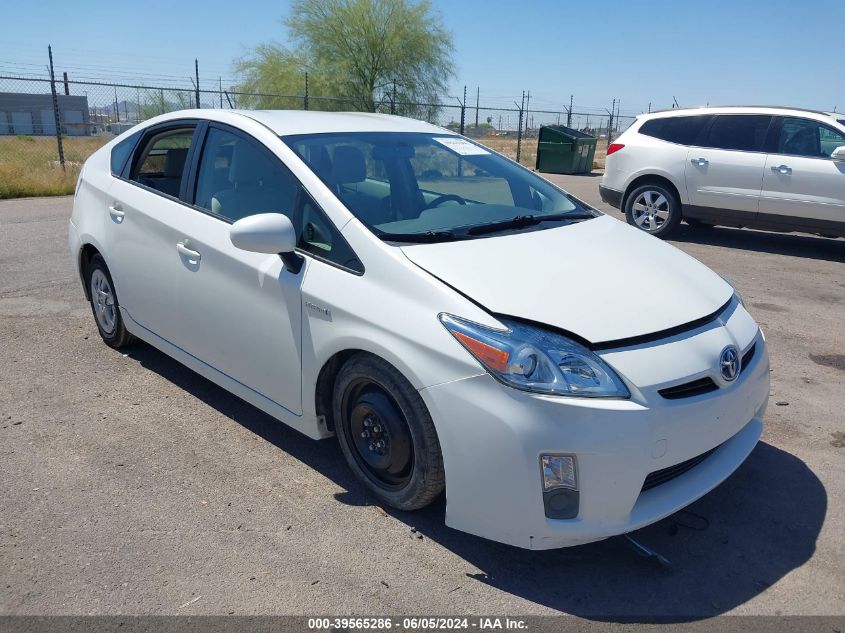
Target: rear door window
161, 164
740, 132
684, 130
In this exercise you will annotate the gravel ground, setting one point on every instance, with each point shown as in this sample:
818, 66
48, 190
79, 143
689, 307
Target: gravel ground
131, 485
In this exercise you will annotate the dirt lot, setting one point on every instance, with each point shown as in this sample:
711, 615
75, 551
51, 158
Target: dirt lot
131, 485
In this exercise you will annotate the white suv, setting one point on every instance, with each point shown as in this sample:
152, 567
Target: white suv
780, 169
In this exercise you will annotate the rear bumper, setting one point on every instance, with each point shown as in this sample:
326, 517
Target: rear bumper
611, 196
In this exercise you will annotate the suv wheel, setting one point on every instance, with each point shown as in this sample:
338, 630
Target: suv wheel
654, 209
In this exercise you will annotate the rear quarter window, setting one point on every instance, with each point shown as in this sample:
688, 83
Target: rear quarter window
121, 152
683, 130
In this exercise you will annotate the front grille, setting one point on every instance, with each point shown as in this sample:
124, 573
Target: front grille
663, 475
746, 358
689, 389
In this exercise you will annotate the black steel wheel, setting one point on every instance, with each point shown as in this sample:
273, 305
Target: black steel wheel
386, 433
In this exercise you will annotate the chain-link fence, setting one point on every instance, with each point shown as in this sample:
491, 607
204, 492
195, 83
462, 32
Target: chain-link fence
48, 127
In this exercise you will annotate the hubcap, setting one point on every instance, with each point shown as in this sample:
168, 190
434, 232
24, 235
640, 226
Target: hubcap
650, 210
102, 298
378, 435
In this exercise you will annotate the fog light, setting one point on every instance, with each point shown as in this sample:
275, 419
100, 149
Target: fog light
558, 472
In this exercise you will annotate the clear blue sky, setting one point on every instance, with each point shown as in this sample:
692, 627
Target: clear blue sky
716, 51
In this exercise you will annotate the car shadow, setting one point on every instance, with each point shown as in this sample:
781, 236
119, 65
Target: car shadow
793, 244
724, 549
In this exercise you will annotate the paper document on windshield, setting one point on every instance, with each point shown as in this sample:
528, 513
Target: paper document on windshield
461, 146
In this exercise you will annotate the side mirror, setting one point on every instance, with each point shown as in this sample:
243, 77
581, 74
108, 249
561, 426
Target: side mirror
268, 233
839, 153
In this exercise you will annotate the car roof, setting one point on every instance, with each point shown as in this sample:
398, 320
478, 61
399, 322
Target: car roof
740, 109
290, 122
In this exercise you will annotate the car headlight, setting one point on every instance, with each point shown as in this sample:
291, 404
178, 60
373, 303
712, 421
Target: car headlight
533, 359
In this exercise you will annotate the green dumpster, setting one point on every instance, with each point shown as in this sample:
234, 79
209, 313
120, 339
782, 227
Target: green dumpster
562, 150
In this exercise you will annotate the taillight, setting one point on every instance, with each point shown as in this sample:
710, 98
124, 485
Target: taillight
614, 147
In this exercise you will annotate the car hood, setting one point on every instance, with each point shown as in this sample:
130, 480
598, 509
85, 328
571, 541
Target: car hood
599, 279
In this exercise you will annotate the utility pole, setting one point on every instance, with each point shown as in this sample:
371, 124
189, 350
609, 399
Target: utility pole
527, 103
477, 97
610, 123
56, 116
197, 84
521, 107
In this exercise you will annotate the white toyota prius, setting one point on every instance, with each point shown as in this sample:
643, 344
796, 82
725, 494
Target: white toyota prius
457, 321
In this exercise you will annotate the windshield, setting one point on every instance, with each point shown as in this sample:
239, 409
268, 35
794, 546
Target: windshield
432, 187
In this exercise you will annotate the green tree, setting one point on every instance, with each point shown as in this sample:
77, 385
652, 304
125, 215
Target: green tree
357, 50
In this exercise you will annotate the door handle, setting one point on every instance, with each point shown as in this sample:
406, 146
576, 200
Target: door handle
782, 169
117, 214
187, 252
701, 162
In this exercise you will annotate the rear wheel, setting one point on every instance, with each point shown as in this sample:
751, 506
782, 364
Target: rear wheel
654, 209
386, 433
104, 304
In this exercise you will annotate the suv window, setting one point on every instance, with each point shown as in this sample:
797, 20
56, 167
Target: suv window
683, 130
237, 177
804, 137
743, 132
162, 162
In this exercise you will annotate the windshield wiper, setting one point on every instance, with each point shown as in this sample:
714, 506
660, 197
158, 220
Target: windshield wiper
521, 221
422, 238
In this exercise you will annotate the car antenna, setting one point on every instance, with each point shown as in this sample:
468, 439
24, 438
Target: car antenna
647, 552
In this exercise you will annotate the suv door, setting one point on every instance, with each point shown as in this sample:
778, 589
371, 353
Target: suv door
801, 181
725, 173
145, 209
240, 311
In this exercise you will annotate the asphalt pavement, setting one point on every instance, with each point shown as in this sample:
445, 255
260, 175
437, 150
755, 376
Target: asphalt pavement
131, 485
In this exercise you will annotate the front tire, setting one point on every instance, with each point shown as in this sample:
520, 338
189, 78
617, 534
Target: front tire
386, 433
653, 208
104, 304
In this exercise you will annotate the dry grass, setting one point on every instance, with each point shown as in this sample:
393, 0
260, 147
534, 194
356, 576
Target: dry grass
29, 165
528, 154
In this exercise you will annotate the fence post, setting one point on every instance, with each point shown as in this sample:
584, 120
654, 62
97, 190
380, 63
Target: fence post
197, 85
305, 100
610, 124
393, 99
463, 110
67, 86
56, 116
569, 112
